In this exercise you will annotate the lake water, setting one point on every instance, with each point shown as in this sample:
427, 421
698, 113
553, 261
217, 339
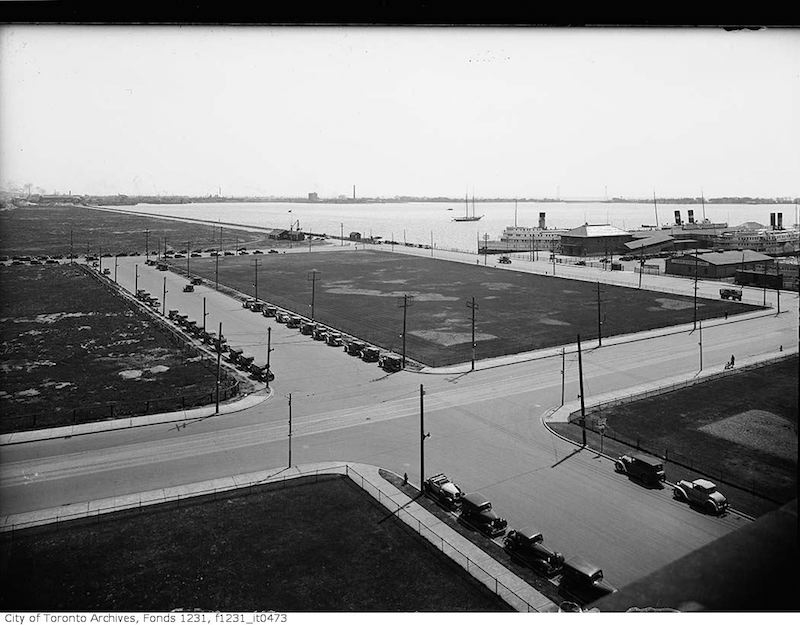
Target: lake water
421, 222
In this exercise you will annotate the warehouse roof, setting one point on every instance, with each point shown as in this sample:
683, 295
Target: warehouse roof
655, 239
732, 257
596, 230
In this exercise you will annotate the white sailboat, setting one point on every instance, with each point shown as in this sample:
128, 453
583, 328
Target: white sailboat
467, 216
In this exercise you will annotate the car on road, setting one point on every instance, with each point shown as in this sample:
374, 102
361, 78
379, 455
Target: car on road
334, 339
261, 373
229, 254
643, 468
320, 333
282, 316
390, 362
527, 546
197, 281
477, 512
307, 327
701, 493
370, 354
248, 303
441, 489
732, 294
353, 347
293, 321
272, 252
269, 311
196, 255
504, 260
582, 581
188, 288
257, 252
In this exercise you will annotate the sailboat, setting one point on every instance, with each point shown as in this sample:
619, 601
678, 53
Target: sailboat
467, 216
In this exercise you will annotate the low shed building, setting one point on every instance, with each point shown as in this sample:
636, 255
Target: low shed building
715, 265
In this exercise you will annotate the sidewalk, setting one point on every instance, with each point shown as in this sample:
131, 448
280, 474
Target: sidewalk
192, 414
512, 589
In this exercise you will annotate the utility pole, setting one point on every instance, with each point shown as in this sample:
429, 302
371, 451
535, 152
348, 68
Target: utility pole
165, 245
553, 254
188, 256
431, 243
583, 406
599, 320
71, 251
485, 248
641, 271
290, 429
408, 300
164, 298
765, 279
422, 437
474, 307
116, 258
216, 262
219, 361
136, 280
701, 346
255, 279
100, 256
269, 350
312, 277
341, 233
694, 323
563, 374
205, 314
146, 244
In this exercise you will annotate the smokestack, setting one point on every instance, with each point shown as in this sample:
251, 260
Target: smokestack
541, 221
354, 192
780, 221
772, 221
691, 216
677, 218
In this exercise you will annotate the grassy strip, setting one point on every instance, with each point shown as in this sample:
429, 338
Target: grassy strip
360, 292
754, 477
302, 546
69, 343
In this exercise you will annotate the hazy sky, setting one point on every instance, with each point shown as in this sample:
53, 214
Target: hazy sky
495, 111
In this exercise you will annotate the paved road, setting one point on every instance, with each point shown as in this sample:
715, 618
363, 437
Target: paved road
485, 427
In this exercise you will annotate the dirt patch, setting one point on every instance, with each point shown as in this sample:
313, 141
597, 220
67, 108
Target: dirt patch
448, 339
666, 303
757, 429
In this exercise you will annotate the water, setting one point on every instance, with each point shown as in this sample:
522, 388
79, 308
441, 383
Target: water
423, 222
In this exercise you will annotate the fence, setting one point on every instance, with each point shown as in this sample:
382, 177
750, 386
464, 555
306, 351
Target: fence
446, 547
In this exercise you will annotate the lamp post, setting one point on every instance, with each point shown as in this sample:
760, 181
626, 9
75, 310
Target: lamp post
408, 300
422, 436
312, 277
474, 307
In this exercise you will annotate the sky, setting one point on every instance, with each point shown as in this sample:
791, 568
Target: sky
494, 112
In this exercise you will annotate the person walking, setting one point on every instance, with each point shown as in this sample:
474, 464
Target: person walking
733, 360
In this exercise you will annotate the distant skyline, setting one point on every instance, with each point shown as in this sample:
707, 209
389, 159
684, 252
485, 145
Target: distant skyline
498, 112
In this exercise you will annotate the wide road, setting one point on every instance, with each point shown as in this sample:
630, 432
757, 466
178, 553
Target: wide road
485, 431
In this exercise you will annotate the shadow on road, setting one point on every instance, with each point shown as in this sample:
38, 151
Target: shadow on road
567, 457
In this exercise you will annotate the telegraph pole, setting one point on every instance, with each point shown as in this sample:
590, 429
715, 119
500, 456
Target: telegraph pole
408, 300
116, 258
216, 263
205, 314
71, 250
269, 349
219, 360
290, 429
474, 307
694, 323
563, 374
341, 233
312, 277
164, 298
422, 436
136, 280
255, 280
146, 244
701, 346
485, 248
583, 406
599, 320
188, 256
641, 271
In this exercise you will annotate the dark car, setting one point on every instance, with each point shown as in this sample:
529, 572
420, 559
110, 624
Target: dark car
272, 252
354, 347
390, 363
370, 354
476, 512
645, 469
527, 546
257, 252
583, 582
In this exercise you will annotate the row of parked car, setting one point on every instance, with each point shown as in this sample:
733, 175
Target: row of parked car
577, 578
320, 332
146, 298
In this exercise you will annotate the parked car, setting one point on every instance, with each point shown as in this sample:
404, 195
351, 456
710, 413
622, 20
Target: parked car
527, 546
257, 307
444, 491
269, 311
646, 469
477, 512
233, 355
390, 362
272, 252
282, 316
188, 288
257, 252
732, 294
261, 373
370, 354
354, 347
504, 260
582, 581
307, 327
248, 303
334, 339
197, 281
293, 321
701, 493
320, 333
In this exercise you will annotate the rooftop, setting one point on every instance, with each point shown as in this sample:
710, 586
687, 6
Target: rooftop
596, 230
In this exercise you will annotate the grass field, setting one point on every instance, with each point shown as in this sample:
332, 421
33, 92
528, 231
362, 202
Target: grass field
741, 429
45, 231
303, 547
360, 292
69, 343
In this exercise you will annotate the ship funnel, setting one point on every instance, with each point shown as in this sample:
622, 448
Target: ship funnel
677, 218
772, 221
691, 216
541, 221
780, 221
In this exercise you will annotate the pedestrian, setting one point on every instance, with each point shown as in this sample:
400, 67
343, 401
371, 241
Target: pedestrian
726, 315
405, 479
781, 348
732, 361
